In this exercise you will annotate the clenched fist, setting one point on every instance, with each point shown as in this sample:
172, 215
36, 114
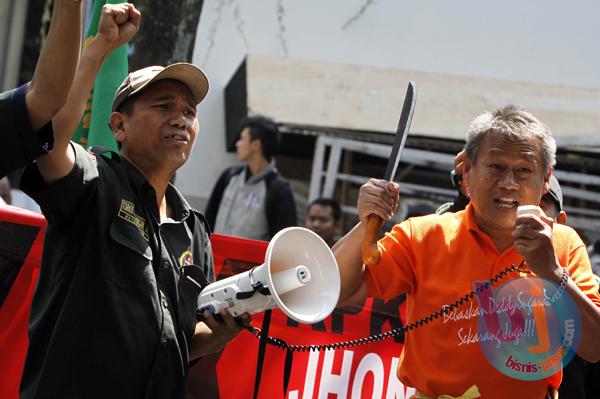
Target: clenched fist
118, 24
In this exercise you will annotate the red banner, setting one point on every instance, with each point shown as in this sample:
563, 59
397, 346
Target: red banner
21, 242
366, 371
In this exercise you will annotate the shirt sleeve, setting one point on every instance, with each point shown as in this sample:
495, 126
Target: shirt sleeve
21, 145
394, 274
62, 200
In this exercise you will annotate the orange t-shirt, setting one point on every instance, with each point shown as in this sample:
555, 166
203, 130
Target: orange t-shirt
436, 259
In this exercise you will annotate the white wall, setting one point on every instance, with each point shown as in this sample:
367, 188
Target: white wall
12, 27
539, 41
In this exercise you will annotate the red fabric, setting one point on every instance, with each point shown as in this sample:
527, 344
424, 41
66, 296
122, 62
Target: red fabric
365, 371
14, 314
360, 372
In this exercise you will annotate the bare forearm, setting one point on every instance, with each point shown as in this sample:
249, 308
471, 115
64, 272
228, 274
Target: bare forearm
348, 255
206, 342
69, 116
56, 66
60, 161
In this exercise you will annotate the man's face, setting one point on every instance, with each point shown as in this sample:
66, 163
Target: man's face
246, 147
320, 220
504, 176
162, 128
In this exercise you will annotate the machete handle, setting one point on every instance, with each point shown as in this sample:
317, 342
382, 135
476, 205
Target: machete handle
371, 254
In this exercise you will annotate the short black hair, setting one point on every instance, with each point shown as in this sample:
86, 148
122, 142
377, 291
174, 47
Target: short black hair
264, 129
336, 211
419, 209
127, 106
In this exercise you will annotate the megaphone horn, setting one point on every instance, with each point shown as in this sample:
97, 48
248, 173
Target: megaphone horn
300, 276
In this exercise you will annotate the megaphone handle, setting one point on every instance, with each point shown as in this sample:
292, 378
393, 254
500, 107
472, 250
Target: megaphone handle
371, 255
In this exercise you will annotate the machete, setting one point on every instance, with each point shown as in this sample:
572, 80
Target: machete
370, 252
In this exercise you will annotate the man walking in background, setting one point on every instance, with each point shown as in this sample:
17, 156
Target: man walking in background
253, 200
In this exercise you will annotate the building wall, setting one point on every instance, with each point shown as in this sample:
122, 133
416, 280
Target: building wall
549, 42
12, 26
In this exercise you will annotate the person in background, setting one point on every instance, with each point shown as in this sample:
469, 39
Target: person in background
322, 217
252, 200
25, 113
419, 209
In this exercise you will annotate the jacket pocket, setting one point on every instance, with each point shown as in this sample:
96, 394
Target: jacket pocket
132, 269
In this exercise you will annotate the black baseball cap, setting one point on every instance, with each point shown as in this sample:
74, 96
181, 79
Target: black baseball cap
555, 192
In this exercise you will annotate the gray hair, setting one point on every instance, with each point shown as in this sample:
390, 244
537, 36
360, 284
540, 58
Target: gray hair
513, 124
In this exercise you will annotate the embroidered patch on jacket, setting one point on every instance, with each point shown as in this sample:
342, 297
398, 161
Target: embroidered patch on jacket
127, 213
186, 258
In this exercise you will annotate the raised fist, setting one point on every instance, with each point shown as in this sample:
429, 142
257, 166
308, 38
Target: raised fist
118, 24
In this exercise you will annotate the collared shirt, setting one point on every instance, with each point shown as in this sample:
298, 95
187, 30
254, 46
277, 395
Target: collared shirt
20, 144
435, 260
111, 316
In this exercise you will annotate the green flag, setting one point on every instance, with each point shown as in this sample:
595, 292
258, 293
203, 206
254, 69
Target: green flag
93, 128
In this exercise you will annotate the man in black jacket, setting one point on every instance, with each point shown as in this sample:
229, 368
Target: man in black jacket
125, 257
252, 200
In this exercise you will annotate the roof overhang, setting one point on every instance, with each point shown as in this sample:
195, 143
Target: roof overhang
369, 99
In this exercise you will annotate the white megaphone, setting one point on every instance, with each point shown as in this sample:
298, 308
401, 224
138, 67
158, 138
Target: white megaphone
300, 276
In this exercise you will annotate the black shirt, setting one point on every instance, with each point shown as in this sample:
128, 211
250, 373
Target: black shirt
20, 144
111, 316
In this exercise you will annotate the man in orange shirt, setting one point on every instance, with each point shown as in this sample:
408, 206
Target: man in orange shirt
437, 259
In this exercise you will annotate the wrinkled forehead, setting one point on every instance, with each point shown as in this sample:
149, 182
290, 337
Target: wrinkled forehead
528, 148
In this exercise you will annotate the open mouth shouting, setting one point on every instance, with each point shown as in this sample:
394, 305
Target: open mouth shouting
506, 203
177, 138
